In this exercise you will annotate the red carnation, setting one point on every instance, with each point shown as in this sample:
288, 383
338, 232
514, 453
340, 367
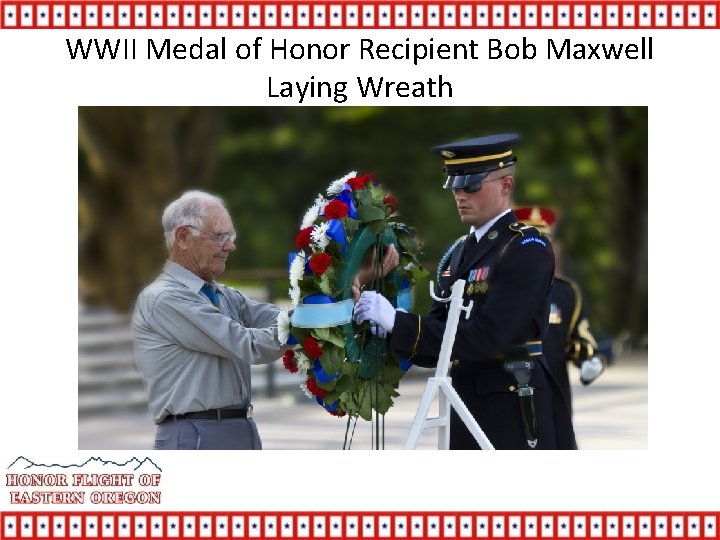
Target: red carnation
391, 202
314, 389
338, 413
358, 182
335, 209
302, 239
312, 347
289, 361
370, 177
319, 263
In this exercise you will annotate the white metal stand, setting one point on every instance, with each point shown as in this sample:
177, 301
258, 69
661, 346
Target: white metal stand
442, 383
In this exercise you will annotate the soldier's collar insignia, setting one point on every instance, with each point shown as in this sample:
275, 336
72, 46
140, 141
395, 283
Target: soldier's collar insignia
492, 235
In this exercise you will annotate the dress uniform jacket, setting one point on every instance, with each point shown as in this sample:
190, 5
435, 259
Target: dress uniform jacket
569, 338
509, 275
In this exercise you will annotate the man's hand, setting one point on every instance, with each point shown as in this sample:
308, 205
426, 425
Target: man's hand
391, 260
376, 308
591, 369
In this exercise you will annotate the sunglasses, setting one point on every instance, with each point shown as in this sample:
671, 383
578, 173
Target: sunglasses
472, 188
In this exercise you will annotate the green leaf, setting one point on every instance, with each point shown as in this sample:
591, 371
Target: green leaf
418, 272
351, 226
329, 386
365, 197
365, 400
392, 373
324, 285
378, 194
407, 242
378, 227
383, 401
343, 385
331, 335
331, 359
369, 213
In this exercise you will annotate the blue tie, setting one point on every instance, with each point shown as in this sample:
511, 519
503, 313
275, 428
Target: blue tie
214, 297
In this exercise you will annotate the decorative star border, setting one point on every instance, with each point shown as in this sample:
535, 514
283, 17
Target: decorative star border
361, 525
367, 14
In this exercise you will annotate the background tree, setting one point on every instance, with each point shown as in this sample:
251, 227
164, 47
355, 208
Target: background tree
133, 161
589, 163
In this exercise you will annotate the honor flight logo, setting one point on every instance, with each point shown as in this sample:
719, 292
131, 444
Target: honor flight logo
132, 482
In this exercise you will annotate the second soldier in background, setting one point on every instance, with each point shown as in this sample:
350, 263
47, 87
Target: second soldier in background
569, 338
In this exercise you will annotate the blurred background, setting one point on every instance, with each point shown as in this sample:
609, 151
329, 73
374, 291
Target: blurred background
269, 163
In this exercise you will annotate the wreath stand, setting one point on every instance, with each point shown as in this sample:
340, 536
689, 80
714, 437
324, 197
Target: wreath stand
442, 382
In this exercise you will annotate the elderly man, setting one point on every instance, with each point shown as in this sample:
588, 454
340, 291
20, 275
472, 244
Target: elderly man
194, 339
497, 365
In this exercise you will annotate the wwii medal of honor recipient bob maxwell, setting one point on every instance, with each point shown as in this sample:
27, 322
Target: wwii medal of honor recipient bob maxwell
497, 366
194, 339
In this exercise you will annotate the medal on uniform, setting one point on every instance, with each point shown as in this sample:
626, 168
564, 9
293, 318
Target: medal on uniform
470, 289
478, 278
555, 314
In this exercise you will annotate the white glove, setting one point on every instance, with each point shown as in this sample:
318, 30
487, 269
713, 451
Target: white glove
377, 330
591, 370
376, 308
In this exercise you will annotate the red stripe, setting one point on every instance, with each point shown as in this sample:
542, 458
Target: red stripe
701, 9
499, 525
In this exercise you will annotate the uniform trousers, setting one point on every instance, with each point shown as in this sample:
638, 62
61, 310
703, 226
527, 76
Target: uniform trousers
208, 434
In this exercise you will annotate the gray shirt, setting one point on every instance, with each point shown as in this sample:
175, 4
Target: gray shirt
192, 355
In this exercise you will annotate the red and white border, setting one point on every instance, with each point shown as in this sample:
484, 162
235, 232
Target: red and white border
361, 525
342, 14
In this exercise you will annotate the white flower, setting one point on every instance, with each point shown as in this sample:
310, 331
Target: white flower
283, 325
409, 266
297, 269
319, 236
303, 387
337, 186
294, 295
303, 363
312, 213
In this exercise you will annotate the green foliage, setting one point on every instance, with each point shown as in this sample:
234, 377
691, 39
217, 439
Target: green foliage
588, 163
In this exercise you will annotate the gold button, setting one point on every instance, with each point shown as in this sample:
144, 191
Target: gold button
456, 362
511, 388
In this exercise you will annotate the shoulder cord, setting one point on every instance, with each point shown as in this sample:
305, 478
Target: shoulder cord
446, 257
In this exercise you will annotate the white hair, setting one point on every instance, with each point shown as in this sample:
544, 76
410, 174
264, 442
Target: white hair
189, 209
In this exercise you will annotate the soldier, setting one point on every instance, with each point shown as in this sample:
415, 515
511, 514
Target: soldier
569, 338
497, 365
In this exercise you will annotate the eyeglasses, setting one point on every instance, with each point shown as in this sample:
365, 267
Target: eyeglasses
221, 238
475, 187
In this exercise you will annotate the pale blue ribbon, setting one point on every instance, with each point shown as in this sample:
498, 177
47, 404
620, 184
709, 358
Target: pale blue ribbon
322, 315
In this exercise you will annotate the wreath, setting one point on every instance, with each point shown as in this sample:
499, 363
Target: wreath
345, 367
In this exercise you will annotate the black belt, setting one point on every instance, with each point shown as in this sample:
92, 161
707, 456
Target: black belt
210, 414
523, 351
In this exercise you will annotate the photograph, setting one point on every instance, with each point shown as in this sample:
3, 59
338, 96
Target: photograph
280, 209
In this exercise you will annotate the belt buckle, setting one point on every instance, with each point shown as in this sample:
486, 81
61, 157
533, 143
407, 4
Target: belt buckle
250, 411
